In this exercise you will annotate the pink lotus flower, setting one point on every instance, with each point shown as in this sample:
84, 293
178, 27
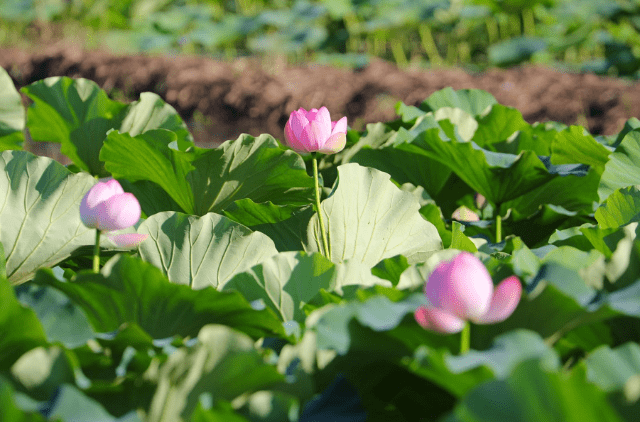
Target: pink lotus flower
107, 207
313, 131
461, 290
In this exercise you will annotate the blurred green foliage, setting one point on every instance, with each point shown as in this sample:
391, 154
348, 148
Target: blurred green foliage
590, 35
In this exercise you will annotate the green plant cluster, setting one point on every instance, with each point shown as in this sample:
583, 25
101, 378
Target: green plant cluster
591, 35
228, 312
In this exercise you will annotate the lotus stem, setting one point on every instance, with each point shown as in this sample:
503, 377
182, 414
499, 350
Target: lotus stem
325, 244
429, 45
498, 227
465, 338
96, 253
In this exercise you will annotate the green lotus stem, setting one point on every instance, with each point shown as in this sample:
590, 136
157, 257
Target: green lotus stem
465, 338
498, 226
429, 45
398, 52
96, 253
325, 244
493, 33
528, 22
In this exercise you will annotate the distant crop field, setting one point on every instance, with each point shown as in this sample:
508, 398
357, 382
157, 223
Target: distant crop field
588, 35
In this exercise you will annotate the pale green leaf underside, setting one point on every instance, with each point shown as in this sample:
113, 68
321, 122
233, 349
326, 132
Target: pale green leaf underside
287, 281
39, 213
201, 251
368, 219
11, 114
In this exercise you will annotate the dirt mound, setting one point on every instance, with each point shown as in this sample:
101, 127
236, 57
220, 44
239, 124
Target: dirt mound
220, 100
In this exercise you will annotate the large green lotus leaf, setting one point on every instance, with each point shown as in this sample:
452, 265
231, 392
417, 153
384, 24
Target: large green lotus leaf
623, 266
285, 282
255, 168
151, 112
223, 412
473, 101
223, 364
11, 114
507, 351
286, 225
499, 177
408, 113
148, 157
574, 145
130, 290
532, 393
458, 374
288, 281
62, 320
367, 219
497, 125
620, 208
71, 404
331, 322
625, 301
209, 180
9, 411
42, 370
537, 137
610, 369
573, 192
202, 251
3, 262
431, 364
77, 114
39, 213
152, 198
384, 149
623, 167
456, 123
20, 330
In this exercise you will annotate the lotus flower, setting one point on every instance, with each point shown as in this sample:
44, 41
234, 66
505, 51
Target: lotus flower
106, 207
461, 290
313, 131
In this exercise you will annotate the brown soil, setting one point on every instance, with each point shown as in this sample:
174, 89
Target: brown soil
221, 100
